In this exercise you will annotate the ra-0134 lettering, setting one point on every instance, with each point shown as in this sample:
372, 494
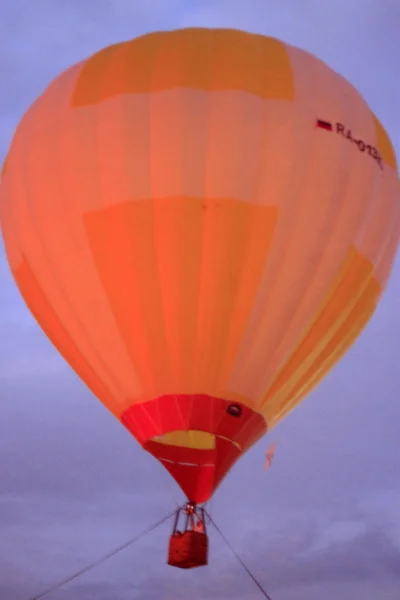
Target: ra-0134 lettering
362, 146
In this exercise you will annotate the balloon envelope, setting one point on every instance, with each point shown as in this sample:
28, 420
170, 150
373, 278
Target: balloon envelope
202, 222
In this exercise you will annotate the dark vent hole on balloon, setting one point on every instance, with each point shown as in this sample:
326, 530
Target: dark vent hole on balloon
234, 410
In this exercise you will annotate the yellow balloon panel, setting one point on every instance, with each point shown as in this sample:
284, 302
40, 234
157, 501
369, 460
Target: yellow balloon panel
205, 59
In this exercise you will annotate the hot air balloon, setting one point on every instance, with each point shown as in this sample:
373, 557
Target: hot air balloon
202, 221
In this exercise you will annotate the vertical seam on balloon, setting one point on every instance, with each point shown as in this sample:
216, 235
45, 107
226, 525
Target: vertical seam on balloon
213, 484
351, 157
136, 425
47, 258
212, 415
281, 259
332, 358
158, 410
386, 149
94, 106
201, 270
122, 52
178, 406
96, 384
226, 459
340, 320
190, 411
157, 54
100, 195
248, 236
187, 142
75, 313
218, 423
299, 306
157, 420
245, 425
256, 186
144, 407
121, 98
344, 345
301, 198
202, 258
373, 199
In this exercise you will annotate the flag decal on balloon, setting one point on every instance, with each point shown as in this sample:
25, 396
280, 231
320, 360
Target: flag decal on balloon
324, 124
347, 133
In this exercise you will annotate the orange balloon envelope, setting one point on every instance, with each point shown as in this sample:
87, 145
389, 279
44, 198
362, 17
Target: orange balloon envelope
202, 222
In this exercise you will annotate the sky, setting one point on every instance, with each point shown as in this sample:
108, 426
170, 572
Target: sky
324, 521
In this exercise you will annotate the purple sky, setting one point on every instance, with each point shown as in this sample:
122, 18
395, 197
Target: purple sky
324, 522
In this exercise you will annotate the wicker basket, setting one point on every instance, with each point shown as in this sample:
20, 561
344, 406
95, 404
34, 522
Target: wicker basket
188, 550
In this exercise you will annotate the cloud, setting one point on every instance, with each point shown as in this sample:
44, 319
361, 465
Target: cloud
290, 555
279, 566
